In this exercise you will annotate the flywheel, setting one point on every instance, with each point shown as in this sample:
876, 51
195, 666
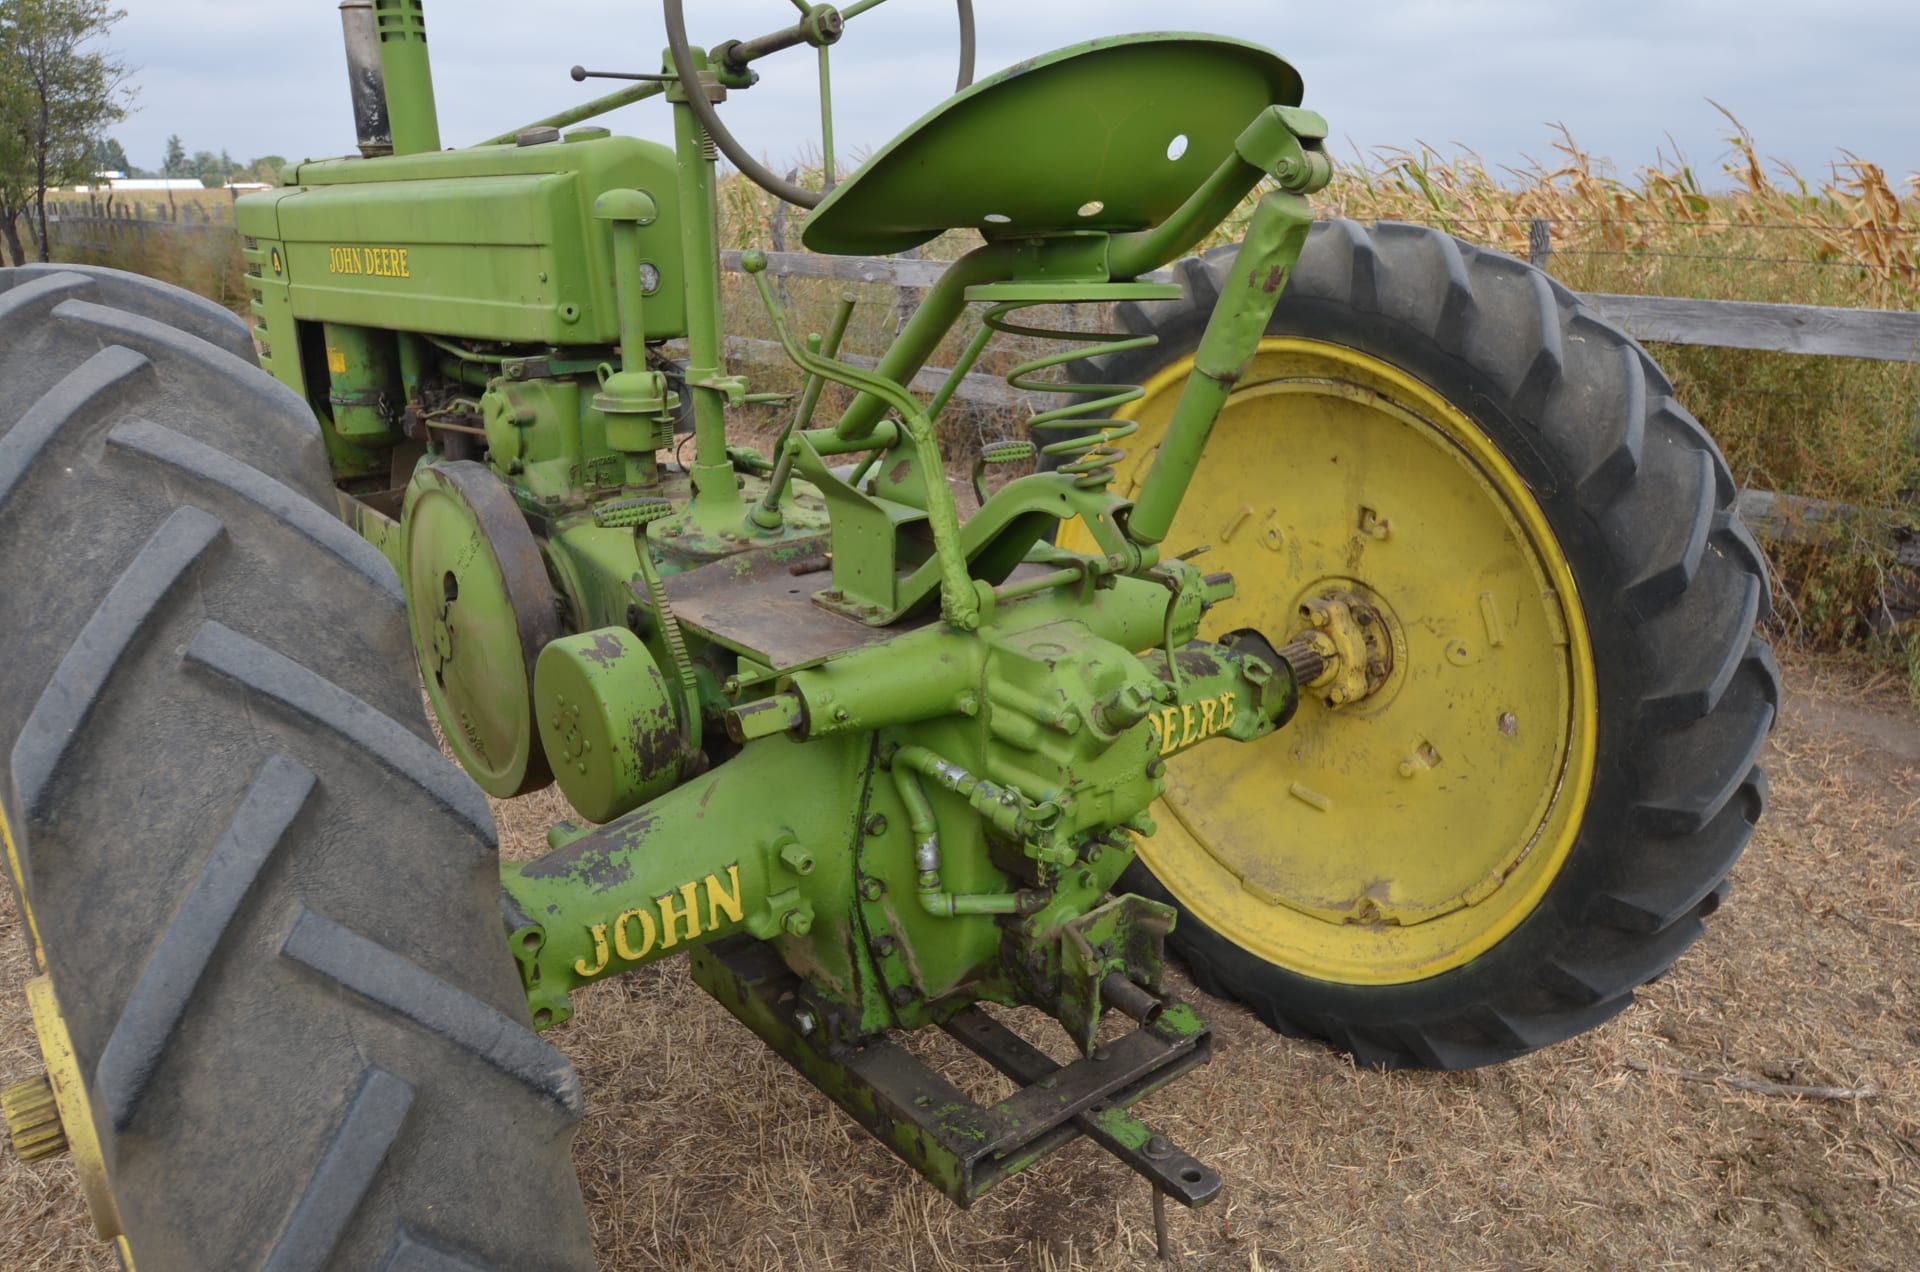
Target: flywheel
480, 608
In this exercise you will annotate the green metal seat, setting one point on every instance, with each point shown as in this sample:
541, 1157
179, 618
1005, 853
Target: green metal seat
1113, 134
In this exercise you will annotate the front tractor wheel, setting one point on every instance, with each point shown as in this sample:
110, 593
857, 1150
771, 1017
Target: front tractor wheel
1526, 804
280, 1020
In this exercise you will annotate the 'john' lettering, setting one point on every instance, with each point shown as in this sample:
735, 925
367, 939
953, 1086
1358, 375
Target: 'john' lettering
672, 918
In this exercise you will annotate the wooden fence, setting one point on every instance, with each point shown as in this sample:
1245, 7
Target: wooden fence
102, 224
1878, 335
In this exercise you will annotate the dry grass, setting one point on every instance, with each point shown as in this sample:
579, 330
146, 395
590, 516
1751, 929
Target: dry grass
702, 1150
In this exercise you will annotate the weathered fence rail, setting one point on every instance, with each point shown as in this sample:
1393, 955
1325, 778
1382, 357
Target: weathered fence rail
1881, 335
123, 214
1878, 335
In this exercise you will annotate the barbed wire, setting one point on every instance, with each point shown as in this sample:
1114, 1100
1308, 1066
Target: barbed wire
1683, 387
1707, 256
1660, 223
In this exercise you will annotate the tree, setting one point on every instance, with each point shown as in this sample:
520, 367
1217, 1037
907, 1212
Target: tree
109, 156
205, 165
267, 168
57, 95
175, 163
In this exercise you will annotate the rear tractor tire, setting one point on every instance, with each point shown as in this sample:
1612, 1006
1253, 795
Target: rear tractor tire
1540, 800
267, 909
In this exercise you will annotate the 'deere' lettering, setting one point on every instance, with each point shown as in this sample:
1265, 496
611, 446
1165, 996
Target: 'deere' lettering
1179, 727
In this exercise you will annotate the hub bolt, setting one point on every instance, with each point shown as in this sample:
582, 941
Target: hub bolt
872, 889
883, 947
877, 824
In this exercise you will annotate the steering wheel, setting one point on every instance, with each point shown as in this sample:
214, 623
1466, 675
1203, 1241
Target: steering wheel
820, 25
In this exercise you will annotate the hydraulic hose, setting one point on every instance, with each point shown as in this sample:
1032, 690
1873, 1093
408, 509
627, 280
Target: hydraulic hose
934, 897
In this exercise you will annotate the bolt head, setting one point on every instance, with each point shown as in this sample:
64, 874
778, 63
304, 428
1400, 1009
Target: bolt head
872, 889
883, 947
803, 1020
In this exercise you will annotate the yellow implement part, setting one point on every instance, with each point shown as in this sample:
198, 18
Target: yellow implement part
33, 1119
1392, 838
76, 1115
20, 888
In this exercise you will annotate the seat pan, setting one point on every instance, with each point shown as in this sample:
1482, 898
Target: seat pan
1082, 138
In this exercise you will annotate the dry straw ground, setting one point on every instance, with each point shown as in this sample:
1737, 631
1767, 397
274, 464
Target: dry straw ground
701, 1150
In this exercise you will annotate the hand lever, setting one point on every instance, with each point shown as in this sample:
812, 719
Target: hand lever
582, 73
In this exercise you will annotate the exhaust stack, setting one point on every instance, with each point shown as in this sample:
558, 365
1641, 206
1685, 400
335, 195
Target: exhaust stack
389, 76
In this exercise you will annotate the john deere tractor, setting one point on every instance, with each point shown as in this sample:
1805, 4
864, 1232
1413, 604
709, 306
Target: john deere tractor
1358, 618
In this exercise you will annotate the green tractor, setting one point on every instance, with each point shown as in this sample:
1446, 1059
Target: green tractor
1443, 747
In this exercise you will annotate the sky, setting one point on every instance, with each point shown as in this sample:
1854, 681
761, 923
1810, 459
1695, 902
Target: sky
1631, 79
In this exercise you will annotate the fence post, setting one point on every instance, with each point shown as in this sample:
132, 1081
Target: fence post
906, 300
1539, 242
777, 232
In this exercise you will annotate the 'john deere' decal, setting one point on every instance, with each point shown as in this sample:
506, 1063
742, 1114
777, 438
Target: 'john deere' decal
377, 262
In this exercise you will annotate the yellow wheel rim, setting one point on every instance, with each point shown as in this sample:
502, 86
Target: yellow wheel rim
1406, 834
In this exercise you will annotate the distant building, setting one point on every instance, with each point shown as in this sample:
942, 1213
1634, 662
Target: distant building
106, 182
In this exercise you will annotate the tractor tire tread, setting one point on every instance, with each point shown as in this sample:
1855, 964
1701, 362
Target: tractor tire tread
149, 298
195, 459
188, 798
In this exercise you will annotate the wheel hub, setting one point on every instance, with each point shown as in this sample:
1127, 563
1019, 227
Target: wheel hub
1351, 636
